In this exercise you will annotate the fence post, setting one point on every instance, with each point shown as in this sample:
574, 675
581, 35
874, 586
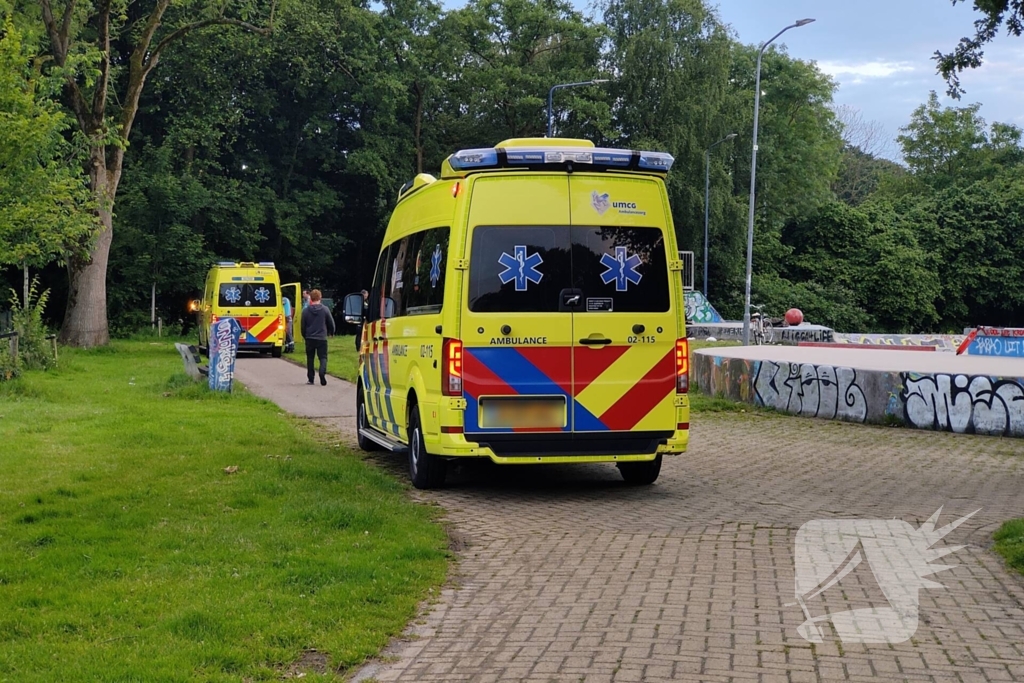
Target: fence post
14, 347
159, 327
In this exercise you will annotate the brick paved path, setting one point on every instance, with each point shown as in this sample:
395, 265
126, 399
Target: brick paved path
565, 574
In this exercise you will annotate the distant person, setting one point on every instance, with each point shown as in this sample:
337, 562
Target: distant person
289, 321
305, 298
366, 310
317, 323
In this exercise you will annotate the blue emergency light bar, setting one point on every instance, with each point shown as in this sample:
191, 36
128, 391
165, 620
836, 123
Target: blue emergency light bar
268, 264
474, 159
226, 264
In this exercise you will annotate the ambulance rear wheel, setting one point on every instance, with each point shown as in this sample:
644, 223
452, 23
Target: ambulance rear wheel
425, 470
276, 353
362, 423
640, 473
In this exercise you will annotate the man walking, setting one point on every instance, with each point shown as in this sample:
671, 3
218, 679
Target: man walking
317, 323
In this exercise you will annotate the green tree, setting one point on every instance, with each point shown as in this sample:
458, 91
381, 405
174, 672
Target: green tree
969, 51
105, 52
43, 196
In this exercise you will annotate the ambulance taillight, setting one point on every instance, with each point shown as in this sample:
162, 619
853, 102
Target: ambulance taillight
451, 371
682, 366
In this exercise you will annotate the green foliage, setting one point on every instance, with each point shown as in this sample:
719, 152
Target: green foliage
34, 350
43, 194
969, 51
1009, 540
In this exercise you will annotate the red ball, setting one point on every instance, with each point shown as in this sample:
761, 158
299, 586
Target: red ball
794, 316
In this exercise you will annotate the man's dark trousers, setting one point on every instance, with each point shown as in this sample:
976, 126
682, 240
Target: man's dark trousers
317, 348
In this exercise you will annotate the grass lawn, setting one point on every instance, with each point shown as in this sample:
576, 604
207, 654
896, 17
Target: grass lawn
1010, 543
127, 553
342, 357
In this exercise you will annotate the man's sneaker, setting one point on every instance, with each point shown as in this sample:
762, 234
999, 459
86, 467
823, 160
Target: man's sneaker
310, 382
323, 381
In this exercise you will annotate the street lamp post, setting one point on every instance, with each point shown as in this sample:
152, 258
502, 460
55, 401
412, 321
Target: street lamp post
551, 94
707, 201
753, 171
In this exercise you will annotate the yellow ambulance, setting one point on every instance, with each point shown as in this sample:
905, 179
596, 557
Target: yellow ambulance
251, 294
527, 307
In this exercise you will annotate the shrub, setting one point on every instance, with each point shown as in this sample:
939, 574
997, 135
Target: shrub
34, 351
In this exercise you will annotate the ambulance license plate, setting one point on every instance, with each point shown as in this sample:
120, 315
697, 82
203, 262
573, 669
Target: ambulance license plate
523, 413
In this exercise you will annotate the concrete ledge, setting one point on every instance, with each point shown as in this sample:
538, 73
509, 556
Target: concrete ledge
937, 391
733, 331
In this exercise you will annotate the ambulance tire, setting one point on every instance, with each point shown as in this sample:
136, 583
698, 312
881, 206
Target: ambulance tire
276, 352
362, 423
640, 473
425, 470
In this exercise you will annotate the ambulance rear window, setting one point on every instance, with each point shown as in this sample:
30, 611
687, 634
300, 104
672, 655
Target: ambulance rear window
251, 294
625, 265
518, 269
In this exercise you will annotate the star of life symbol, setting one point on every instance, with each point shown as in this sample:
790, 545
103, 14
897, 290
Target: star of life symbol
521, 268
233, 295
435, 266
622, 269
262, 295
896, 554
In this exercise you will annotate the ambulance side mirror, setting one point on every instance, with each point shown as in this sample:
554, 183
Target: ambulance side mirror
353, 308
193, 306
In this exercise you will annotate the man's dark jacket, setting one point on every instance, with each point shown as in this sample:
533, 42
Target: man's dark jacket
317, 322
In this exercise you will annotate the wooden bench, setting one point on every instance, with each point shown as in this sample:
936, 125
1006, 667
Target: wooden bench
190, 355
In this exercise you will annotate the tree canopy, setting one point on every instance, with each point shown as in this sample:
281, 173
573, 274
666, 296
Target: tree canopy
290, 145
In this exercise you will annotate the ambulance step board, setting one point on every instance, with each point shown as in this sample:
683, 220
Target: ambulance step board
383, 441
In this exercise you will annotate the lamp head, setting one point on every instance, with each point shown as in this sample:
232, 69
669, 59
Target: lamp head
598, 80
803, 22
730, 136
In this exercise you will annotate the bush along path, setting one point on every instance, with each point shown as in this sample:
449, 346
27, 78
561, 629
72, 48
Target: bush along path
153, 530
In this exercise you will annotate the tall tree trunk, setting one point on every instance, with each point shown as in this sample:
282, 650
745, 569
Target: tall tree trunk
85, 320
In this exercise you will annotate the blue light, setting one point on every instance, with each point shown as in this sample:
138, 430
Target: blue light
474, 158
612, 157
269, 264
226, 264
524, 156
656, 161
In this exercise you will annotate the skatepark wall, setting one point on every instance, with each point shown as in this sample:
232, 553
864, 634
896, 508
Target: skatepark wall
961, 403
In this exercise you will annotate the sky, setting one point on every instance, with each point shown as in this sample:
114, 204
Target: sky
879, 51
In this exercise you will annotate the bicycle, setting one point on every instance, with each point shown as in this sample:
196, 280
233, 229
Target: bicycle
761, 328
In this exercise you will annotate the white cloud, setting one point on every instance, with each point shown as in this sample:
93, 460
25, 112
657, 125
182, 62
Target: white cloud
865, 70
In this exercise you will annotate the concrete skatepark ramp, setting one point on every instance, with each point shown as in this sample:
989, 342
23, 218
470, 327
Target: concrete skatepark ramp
939, 391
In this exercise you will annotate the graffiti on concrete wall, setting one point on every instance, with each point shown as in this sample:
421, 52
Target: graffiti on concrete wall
964, 403
700, 310
727, 377
998, 341
811, 390
948, 342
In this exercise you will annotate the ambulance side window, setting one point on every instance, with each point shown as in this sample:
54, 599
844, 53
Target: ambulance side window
378, 291
425, 272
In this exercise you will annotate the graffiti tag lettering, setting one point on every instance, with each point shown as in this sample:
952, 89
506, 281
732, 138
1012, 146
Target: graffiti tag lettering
811, 390
964, 404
